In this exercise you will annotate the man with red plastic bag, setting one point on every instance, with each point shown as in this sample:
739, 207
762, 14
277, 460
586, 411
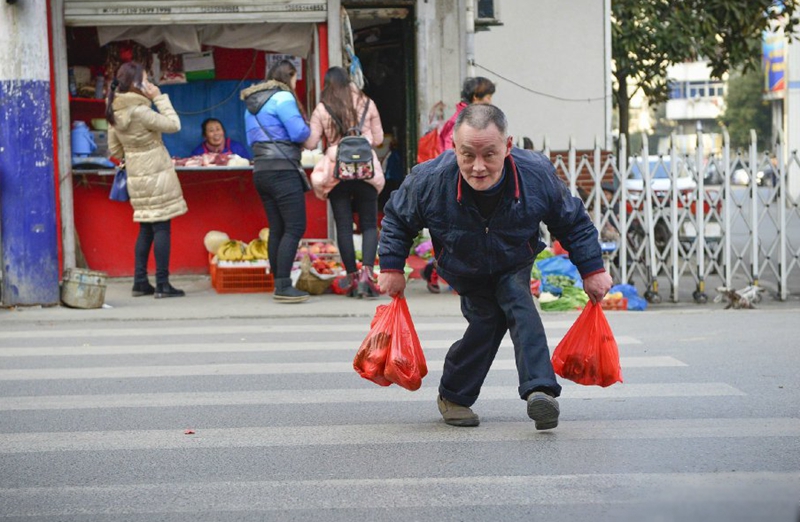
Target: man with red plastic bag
483, 203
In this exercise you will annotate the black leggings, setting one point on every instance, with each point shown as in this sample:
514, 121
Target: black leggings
284, 201
157, 233
362, 197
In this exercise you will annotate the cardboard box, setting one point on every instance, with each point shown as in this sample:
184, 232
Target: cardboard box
199, 66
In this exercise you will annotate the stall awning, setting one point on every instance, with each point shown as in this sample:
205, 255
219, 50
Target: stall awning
169, 12
294, 39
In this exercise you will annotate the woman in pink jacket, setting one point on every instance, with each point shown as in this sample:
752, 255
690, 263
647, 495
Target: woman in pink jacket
341, 108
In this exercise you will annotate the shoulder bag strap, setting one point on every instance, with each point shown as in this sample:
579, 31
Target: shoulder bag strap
363, 117
303, 177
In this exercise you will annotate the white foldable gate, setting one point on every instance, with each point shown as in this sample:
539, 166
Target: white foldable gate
685, 220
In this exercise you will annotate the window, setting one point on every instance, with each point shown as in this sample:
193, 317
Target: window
486, 9
487, 12
677, 90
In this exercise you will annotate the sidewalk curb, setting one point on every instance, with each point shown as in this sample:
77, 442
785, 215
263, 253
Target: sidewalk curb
203, 304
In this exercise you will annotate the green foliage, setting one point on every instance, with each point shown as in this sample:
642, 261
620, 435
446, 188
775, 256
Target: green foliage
745, 109
649, 35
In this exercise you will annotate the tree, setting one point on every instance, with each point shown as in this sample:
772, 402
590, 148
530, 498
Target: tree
650, 35
746, 109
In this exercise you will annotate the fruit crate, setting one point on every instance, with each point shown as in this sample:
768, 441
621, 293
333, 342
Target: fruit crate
325, 256
240, 280
614, 304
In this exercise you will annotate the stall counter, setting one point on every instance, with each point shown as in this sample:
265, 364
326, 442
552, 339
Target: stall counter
219, 198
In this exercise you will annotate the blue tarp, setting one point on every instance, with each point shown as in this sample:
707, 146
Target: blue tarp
559, 265
635, 302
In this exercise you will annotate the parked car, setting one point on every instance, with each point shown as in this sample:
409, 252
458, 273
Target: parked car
740, 175
712, 175
659, 168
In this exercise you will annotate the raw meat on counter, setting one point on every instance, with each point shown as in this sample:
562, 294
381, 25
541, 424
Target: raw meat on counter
212, 159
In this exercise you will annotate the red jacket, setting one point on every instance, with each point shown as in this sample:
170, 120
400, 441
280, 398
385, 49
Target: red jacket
446, 134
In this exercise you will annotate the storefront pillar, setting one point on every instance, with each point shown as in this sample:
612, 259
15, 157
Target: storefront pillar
28, 230
334, 33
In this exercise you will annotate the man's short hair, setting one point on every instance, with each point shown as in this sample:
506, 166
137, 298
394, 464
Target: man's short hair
481, 115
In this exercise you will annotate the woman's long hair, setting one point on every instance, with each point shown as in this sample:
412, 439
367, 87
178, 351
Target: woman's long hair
338, 99
129, 78
283, 72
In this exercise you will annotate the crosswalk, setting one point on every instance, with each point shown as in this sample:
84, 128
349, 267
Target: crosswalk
248, 421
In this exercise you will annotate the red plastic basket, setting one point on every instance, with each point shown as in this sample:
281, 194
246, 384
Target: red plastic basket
240, 280
614, 304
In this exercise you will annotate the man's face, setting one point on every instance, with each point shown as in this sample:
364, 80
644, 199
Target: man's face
480, 155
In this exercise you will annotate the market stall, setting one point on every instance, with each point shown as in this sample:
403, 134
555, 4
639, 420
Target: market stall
219, 198
203, 67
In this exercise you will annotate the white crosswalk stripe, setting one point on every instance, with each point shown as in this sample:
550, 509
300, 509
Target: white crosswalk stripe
388, 434
63, 390
131, 372
393, 394
361, 327
250, 346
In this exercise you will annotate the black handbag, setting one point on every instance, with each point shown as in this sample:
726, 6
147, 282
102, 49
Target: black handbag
119, 187
354, 152
300, 171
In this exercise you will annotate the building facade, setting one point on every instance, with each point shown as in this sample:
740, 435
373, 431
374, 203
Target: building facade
549, 86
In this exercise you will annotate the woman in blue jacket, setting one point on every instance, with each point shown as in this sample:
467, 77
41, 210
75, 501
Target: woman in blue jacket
276, 129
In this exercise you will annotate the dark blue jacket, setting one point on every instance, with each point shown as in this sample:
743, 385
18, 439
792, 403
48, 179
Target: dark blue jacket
465, 243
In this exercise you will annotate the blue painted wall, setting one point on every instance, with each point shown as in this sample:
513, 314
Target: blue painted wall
27, 194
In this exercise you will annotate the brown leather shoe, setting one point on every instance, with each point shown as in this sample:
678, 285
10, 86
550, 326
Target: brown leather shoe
456, 415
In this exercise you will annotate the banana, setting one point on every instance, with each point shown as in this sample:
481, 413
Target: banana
258, 249
232, 250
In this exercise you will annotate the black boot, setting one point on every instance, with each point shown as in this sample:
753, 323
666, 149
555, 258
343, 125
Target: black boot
167, 290
144, 288
286, 293
351, 284
367, 287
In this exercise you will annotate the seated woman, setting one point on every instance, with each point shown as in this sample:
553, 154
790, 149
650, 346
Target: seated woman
214, 140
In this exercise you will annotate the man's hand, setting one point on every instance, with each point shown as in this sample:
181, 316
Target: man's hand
392, 283
597, 286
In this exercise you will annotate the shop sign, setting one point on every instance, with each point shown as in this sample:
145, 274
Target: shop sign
149, 12
774, 67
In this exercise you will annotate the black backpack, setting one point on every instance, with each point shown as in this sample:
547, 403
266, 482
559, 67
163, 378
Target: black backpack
354, 154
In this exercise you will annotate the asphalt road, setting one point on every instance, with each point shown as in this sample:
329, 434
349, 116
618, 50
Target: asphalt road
240, 419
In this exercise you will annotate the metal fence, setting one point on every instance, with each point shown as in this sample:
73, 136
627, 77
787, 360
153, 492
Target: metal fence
692, 220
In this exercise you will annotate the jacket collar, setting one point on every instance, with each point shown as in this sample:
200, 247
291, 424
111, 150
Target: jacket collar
264, 86
123, 104
510, 166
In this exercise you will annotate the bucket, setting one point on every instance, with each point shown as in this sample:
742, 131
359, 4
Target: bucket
83, 288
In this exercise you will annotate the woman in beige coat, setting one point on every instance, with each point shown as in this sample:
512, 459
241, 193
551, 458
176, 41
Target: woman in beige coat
341, 108
155, 192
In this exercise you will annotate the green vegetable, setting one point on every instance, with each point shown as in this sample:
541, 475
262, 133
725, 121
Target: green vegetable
560, 281
573, 298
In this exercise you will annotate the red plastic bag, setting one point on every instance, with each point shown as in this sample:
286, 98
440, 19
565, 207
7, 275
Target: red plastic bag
588, 354
428, 146
391, 352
